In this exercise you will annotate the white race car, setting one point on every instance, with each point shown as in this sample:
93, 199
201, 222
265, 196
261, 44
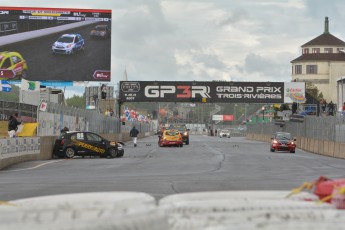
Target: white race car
224, 133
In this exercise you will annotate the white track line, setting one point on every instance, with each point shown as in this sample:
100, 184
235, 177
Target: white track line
35, 167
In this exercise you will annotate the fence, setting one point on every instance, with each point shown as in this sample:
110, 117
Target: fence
27, 112
330, 128
56, 116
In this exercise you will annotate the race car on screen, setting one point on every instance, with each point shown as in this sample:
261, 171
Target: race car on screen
68, 44
13, 62
79, 143
100, 31
170, 138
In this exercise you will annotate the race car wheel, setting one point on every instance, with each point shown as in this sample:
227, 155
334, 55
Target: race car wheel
112, 152
181, 145
69, 152
272, 149
292, 151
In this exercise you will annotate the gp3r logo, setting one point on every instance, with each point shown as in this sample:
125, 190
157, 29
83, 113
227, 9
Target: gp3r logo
181, 91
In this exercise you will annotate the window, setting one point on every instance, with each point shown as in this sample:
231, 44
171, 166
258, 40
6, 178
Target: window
305, 50
311, 69
328, 50
298, 69
315, 50
340, 50
6, 64
93, 137
15, 59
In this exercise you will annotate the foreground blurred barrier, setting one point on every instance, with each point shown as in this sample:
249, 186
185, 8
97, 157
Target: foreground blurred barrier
219, 210
99, 210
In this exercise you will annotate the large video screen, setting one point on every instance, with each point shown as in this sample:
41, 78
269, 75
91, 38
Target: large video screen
55, 44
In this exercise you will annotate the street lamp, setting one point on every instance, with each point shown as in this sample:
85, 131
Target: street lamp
263, 113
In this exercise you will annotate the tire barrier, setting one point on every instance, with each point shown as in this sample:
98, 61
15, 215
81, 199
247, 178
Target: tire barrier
249, 210
87, 211
190, 211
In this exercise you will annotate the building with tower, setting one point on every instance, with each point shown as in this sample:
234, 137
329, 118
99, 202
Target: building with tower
322, 63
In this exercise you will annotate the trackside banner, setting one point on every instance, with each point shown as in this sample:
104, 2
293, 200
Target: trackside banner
207, 92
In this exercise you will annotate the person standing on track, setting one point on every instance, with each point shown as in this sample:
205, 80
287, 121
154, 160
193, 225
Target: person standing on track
134, 134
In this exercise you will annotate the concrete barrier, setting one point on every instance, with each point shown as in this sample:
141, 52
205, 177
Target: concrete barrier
14, 150
21, 149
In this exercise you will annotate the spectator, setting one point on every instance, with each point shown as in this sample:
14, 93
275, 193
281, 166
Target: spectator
104, 91
13, 125
294, 107
64, 130
323, 105
331, 109
107, 113
134, 134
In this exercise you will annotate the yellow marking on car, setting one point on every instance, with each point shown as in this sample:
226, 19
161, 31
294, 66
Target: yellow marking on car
88, 146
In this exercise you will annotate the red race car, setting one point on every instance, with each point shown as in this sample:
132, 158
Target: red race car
283, 141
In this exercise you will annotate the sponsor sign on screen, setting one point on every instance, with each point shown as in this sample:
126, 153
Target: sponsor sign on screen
220, 92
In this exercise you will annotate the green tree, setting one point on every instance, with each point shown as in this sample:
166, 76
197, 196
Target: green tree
313, 91
76, 101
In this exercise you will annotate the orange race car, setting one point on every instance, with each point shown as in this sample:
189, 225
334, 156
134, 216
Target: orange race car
170, 138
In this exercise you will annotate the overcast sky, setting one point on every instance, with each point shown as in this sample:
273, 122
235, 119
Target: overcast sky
206, 40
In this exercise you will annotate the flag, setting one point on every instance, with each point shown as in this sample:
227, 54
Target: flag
5, 86
43, 106
30, 85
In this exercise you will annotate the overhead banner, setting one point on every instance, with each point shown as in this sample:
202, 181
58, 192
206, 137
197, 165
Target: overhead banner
207, 92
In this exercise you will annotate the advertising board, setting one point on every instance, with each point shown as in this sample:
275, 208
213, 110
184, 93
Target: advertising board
204, 92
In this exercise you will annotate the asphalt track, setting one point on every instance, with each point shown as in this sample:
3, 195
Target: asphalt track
207, 164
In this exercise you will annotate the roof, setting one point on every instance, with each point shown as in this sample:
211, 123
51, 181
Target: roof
320, 57
325, 39
69, 35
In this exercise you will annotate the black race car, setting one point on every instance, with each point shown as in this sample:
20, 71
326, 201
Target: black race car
79, 143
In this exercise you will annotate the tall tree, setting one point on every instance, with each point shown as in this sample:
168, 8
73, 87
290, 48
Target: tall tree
76, 101
313, 91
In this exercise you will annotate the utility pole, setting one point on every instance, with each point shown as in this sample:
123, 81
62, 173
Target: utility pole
263, 113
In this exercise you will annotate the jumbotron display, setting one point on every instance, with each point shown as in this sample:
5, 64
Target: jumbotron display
55, 44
